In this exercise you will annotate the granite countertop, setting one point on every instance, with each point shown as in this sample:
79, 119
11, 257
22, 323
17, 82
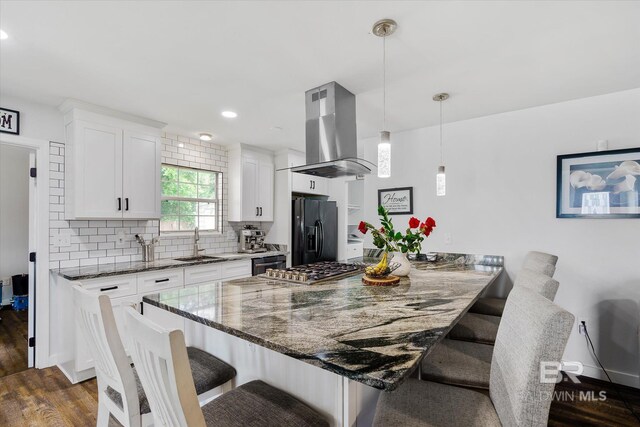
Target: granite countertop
374, 335
120, 268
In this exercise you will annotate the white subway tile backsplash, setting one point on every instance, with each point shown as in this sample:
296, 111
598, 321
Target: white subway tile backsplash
70, 263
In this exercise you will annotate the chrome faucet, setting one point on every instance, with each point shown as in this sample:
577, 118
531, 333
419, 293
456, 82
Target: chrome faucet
196, 237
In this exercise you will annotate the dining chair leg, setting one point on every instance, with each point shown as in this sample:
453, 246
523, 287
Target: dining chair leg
228, 386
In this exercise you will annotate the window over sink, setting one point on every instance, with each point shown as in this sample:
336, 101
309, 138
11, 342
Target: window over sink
190, 199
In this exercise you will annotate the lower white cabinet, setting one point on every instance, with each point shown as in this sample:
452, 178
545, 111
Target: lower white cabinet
202, 273
74, 358
236, 269
157, 281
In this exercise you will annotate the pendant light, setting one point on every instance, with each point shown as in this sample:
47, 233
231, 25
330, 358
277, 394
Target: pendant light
441, 181
384, 28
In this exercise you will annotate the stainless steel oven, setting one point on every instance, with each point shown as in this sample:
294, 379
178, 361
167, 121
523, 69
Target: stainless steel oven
260, 265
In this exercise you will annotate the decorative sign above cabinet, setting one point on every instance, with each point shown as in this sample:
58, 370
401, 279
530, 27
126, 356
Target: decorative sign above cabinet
397, 201
9, 121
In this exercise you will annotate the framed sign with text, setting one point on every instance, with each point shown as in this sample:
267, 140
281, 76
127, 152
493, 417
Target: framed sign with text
397, 201
9, 121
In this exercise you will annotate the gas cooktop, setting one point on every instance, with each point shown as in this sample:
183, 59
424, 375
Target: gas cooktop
313, 273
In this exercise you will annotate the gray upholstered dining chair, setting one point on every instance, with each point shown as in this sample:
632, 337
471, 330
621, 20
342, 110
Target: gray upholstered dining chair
120, 392
536, 261
534, 331
483, 328
162, 361
467, 363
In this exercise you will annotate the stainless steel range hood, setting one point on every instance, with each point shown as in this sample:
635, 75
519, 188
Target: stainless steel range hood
331, 140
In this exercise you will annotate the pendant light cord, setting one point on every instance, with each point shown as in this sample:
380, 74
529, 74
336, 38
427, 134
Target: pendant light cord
384, 83
441, 153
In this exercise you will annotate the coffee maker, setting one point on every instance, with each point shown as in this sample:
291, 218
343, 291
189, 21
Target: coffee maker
252, 240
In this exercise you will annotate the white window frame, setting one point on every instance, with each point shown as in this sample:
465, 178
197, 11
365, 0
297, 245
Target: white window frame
217, 201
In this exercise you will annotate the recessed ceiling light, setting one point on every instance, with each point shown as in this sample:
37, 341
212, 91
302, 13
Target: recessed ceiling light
205, 137
229, 114
3, 35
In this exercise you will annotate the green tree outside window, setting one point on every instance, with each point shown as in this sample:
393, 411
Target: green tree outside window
189, 199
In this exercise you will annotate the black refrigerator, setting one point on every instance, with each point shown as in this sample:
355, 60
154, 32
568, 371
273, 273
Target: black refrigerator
315, 231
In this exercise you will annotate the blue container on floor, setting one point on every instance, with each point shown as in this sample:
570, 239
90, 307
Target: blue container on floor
20, 302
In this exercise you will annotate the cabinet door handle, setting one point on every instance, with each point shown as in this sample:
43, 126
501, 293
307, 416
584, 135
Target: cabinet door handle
314, 185
257, 211
126, 204
162, 280
110, 288
310, 185
260, 210
119, 203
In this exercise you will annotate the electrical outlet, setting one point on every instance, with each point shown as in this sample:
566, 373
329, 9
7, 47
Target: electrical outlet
231, 236
447, 238
581, 326
62, 240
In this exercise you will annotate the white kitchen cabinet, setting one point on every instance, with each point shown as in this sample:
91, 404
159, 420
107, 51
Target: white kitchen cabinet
93, 171
251, 178
141, 175
236, 269
202, 274
74, 358
265, 191
112, 166
309, 184
158, 281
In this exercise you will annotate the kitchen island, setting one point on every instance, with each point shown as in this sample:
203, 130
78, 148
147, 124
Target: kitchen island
334, 344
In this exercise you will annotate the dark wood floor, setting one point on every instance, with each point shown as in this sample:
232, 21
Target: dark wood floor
592, 411
13, 341
45, 398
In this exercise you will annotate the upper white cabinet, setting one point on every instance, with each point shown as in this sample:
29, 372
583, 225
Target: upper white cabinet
309, 184
303, 183
250, 185
112, 165
141, 175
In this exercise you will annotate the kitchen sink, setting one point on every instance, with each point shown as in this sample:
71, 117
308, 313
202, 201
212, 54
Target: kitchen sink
198, 258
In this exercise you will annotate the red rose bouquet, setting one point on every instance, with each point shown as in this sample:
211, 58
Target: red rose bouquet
394, 241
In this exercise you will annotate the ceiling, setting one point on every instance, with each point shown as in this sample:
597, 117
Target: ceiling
184, 62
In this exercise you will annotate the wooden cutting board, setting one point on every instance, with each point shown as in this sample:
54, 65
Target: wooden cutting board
389, 280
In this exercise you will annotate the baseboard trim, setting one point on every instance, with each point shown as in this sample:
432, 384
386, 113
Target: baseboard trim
617, 376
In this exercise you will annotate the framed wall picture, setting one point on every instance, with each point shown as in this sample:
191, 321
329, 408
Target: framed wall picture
600, 184
397, 201
9, 121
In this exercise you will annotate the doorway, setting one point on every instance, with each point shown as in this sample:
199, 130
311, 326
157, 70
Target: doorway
17, 223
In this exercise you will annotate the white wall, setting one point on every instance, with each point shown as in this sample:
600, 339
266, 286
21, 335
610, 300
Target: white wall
501, 197
36, 120
14, 211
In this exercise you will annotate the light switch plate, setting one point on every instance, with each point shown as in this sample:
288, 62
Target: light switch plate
231, 235
121, 237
